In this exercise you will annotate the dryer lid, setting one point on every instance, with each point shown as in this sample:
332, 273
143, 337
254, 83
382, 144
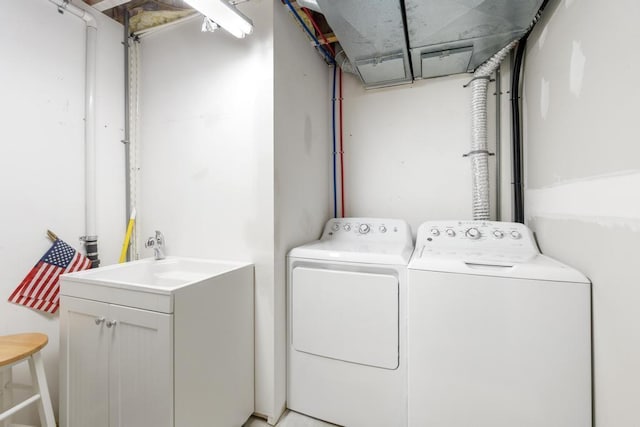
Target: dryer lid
361, 240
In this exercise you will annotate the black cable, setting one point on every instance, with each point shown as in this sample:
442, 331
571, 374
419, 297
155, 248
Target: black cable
405, 24
516, 119
516, 134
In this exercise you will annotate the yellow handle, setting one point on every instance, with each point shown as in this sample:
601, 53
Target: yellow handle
127, 237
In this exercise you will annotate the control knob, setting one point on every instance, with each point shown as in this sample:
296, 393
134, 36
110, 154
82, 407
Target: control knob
472, 233
347, 227
451, 233
498, 234
383, 229
435, 232
335, 227
515, 234
364, 228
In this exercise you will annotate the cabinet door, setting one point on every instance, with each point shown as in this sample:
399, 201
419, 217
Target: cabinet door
84, 399
141, 368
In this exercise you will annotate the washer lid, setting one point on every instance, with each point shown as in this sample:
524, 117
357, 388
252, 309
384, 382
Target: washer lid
539, 267
487, 248
362, 240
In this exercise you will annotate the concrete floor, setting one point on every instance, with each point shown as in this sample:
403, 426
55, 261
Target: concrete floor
289, 419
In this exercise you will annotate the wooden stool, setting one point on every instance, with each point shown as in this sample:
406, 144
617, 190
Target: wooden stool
19, 348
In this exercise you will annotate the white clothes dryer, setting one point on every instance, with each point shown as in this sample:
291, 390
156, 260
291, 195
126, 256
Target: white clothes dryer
499, 335
347, 323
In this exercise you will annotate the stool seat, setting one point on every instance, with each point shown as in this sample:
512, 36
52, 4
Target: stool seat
17, 347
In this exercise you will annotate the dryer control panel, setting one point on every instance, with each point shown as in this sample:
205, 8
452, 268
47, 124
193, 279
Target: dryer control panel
481, 240
369, 229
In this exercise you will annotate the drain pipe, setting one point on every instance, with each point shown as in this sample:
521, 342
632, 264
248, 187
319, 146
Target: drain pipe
90, 238
479, 153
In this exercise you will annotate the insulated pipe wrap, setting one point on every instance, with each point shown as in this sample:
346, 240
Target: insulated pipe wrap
479, 154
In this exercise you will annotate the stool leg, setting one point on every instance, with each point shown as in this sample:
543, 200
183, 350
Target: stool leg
40, 385
7, 392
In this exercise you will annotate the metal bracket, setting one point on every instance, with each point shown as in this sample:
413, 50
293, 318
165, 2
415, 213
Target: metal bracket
63, 7
471, 153
479, 78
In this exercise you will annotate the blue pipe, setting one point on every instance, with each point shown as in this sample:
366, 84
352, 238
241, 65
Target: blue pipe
333, 102
315, 39
333, 121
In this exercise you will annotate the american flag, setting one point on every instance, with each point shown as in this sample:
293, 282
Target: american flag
40, 288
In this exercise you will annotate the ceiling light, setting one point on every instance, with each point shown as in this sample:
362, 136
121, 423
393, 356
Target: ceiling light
225, 15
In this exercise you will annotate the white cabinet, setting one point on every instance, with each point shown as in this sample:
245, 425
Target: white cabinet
119, 364
178, 353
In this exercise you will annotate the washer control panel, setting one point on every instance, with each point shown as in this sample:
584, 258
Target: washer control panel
476, 239
371, 229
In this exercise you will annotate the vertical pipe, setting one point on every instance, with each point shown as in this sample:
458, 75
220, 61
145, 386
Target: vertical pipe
333, 121
90, 132
90, 238
127, 124
498, 145
341, 151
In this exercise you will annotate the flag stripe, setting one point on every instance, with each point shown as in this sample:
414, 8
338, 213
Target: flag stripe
33, 277
41, 287
33, 287
17, 292
48, 280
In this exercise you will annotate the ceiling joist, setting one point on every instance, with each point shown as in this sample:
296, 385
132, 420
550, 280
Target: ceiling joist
108, 4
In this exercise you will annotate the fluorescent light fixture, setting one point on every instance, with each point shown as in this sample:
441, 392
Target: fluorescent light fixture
225, 15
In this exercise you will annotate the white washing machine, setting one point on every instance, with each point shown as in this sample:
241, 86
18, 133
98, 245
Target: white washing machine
347, 323
499, 335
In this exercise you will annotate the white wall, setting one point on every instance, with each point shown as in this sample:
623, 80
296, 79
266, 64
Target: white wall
42, 151
207, 168
583, 175
403, 149
302, 118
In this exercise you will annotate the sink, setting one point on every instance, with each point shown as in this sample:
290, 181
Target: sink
151, 284
158, 343
167, 274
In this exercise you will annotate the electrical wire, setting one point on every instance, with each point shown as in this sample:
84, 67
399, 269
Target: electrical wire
317, 28
332, 61
308, 31
341, 152
516, 119
516, 151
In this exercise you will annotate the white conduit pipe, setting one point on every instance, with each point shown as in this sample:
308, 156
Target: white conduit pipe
90, 238
479, 153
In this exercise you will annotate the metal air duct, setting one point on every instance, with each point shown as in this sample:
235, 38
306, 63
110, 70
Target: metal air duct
371, 32
396, 41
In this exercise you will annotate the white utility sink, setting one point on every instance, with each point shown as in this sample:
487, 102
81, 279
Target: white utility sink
161, 276
157, 343
152, 284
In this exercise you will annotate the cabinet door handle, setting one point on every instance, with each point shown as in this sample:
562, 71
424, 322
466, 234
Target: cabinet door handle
111, 323
99, 320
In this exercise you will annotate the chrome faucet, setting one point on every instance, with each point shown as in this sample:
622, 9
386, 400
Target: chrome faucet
157, 243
